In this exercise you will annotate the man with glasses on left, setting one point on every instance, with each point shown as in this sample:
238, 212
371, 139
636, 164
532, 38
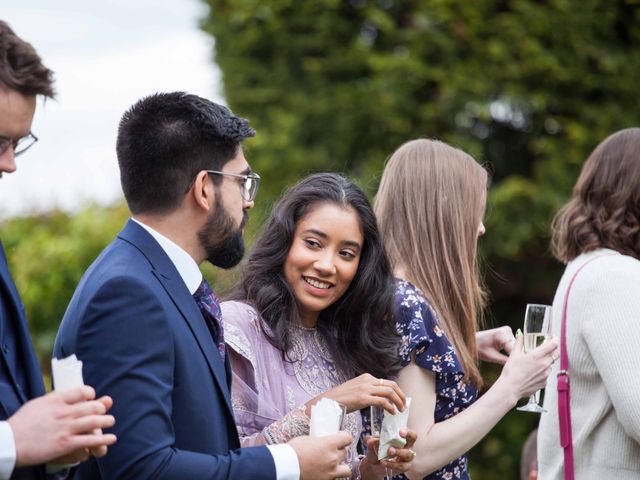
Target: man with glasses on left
59, 428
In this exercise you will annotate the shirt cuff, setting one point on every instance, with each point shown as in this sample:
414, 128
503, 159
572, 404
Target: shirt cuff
286, 460
8, 451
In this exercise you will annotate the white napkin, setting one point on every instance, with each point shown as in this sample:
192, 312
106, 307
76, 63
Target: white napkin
326, 417
390, 430
66, 373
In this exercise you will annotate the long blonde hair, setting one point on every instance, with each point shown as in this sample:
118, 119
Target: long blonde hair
429, 206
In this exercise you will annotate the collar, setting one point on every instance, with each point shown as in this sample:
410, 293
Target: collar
184, 263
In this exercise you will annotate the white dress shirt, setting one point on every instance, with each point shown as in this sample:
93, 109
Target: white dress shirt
284, 456
7, 451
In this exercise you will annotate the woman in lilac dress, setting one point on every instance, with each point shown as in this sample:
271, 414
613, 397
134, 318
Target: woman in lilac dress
313, 318
430, 206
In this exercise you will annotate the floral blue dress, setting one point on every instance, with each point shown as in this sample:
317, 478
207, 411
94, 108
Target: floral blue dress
417, 323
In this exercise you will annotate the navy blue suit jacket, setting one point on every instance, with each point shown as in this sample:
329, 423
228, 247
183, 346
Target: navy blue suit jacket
144, 342
28, 360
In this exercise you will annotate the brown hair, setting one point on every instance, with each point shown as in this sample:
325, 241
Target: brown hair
429, 206
604, 209
21, 68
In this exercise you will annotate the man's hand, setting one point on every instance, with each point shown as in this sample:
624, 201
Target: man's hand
322, 458
63, 426
491, 343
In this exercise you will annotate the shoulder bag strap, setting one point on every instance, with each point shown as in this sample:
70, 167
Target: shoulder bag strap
564, 393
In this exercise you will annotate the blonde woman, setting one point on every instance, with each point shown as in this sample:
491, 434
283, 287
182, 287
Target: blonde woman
430, 206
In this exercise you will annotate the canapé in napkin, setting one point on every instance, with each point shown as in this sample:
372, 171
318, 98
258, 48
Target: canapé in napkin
390, 430
326, 418
66, 373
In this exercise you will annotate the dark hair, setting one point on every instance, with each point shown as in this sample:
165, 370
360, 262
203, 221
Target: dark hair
359, 328
165, 139
604, 209
21, 68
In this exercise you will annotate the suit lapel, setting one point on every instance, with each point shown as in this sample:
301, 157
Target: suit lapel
227, 368
29, 360
171, 281
196, 323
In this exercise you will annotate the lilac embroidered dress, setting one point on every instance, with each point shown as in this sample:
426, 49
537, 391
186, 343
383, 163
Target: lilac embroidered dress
268, 394
417, 323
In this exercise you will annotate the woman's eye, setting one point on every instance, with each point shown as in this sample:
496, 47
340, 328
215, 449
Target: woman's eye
348, 254
312, 243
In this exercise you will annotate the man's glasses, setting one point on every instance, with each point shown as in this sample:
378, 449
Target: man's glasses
249, 183
20, 145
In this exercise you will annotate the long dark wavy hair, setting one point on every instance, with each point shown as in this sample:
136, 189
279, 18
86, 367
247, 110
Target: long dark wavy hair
604, 209
359, 328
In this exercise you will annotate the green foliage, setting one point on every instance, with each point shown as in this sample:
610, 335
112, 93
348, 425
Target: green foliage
49, 253
528, 88
47, 256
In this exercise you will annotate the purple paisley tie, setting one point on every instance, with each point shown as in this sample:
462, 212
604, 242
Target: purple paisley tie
209, 305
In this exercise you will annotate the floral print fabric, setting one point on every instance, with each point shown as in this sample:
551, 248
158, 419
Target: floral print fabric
417, 323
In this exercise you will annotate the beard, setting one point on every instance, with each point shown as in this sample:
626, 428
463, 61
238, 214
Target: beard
222, 241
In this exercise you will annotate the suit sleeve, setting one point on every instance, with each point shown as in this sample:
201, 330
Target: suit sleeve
126, 345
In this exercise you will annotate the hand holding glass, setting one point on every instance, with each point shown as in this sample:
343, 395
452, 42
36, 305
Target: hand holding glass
377, 415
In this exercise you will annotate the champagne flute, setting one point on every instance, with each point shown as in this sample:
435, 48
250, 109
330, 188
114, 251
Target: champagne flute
341, 426
537, 330
376, 415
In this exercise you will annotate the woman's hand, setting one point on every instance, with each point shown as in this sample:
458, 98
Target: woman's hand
491, 343
363, 391
526, 373
398, 460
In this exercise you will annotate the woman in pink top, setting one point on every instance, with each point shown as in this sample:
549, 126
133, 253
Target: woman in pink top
313, 318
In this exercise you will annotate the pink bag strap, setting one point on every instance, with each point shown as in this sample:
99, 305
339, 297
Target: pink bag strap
564, 391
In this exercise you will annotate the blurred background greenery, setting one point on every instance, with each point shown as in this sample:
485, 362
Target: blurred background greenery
527, 87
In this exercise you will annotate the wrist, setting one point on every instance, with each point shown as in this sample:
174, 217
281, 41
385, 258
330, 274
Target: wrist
505, 390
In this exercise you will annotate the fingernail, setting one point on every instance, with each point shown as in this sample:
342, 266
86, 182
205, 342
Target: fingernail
518, 333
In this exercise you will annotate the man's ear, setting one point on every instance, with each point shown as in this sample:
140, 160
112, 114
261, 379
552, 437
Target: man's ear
203, 191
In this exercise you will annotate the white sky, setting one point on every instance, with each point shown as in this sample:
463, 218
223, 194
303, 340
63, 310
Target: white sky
106, 55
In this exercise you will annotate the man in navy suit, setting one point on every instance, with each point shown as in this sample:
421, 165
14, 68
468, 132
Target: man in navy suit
34, 428
134, 322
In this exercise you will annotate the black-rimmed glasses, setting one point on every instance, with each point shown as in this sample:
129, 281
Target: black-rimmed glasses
249, 183
20, 145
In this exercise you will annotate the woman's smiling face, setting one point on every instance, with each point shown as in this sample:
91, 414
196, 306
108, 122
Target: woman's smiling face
323, 258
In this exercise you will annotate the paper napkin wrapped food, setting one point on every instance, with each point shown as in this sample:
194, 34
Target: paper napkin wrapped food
390, 430
66, 373
326, 418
